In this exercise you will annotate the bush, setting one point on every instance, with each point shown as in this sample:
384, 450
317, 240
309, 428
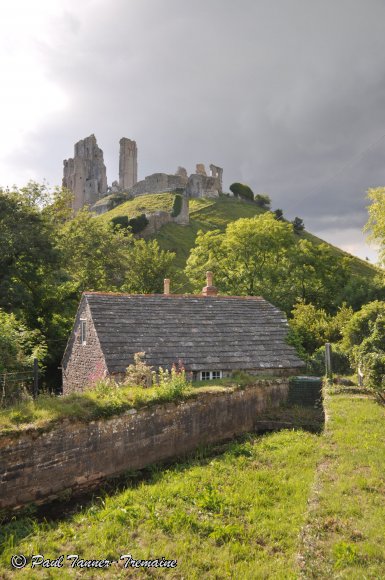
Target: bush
242, 190
177, 205
139, 374
262, 200
136, 224
372, 366
340, 361
278, 214
298, 225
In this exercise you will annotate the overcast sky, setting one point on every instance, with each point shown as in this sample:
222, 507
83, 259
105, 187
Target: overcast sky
286, 95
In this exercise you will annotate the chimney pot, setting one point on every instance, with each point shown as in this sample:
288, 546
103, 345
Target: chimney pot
209, 289
166, 286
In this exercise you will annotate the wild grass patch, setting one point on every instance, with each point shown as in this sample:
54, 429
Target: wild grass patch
229, 514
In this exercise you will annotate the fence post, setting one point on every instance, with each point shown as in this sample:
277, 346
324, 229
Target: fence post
328, 360
35, 378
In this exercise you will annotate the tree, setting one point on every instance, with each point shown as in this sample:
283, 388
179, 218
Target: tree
242, 190
376, 222
298, 225
262, 200
28, 259
147, 266
278, 214
249, 258
316, 276
18, 345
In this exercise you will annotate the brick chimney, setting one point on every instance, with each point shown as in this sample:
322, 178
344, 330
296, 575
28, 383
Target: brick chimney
166, 283
209, 289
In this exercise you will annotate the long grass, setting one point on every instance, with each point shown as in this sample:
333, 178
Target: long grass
344, 536
232, 514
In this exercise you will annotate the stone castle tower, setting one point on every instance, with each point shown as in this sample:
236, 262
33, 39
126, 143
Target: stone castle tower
128, 164
85, 173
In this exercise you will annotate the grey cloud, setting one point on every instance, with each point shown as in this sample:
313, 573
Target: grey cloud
281, 94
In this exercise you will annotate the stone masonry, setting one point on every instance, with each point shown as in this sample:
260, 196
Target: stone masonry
88, 361
37, 465
85, 176
85, 173
128, 164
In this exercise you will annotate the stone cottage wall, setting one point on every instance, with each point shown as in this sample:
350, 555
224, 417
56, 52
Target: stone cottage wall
82, 364
36, 466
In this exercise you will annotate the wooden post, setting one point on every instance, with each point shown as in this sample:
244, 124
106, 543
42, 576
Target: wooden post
35, 378
328, 360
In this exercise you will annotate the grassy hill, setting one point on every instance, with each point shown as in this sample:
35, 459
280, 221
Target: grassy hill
208, 214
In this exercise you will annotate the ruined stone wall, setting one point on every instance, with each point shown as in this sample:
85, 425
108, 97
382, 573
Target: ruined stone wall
37, 466
82, 363
158, 183
128, 164
200, 185
85, 173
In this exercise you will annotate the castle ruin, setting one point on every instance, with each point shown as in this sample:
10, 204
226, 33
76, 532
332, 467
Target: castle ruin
85, 175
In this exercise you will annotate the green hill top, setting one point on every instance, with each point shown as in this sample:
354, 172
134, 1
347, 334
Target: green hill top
208, 214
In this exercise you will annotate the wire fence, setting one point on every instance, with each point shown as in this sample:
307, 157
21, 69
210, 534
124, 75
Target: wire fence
16, 384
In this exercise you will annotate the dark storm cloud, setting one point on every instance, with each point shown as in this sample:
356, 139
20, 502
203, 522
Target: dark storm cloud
285, 95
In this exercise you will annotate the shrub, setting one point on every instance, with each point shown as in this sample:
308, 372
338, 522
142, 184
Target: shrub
242, 190
340, 361
120, 221
278, 214
177, 205
139, 374
135, 224
298, 225
138, 223
262, 200
372, 366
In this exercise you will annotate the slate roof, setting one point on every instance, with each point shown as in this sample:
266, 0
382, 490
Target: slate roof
204, 332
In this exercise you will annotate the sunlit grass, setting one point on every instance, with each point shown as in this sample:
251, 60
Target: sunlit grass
236, 514
347, 526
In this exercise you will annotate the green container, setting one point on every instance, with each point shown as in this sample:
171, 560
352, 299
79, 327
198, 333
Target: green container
305, 391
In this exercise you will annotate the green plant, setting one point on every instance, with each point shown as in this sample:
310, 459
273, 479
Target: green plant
177, 205
139, 374
242, 190
262, 200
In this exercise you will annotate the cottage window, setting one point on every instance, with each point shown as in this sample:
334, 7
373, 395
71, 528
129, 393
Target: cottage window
83, 331
210, 375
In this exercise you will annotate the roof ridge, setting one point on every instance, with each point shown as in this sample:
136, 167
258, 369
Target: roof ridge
97, 293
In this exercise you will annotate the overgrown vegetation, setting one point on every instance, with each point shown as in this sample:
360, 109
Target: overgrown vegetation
243, 509
232, 512
344, 533
177, 205
241, 190
141, 386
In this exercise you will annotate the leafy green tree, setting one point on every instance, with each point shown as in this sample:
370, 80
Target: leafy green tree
28, 258
360, 325
147, 266
376, 222
262, 200
242, 190
278, 214
316, 276
298, 225
93, 253
249, 258
18, 345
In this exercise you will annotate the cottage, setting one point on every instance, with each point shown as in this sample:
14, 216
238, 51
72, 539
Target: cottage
212, 335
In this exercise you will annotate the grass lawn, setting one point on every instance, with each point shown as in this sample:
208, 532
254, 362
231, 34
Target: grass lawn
345, 531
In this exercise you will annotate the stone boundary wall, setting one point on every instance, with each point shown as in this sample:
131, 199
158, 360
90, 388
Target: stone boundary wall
36, 466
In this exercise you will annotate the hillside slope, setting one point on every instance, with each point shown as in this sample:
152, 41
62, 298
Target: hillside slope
209, 214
